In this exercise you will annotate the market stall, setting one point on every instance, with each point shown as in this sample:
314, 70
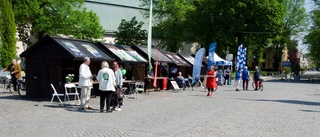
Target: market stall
51, 59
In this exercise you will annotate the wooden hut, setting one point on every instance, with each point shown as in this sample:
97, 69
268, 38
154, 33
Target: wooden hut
131, 60
51, 59
156, 55
180, 63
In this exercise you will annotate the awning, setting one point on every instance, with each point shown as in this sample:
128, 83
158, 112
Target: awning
221, 62
122, 53
76, 49
176, 59
82, 48
188, 58
155, 52
129, 50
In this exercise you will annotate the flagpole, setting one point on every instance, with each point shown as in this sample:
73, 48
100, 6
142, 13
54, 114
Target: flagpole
150, 35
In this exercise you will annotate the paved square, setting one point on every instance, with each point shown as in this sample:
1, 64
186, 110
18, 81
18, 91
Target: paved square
283, 109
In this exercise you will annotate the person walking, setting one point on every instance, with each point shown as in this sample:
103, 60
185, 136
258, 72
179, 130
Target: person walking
256, 78
107, 83
85, 83
119, 83
15, 72
245, 78
237, 79
211, 81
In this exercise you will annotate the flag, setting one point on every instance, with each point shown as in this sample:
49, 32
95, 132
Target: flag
150, 37
156, 71
197, 64
212, 49
244, 57
239, 58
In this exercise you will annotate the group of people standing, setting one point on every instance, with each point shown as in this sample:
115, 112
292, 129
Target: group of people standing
244, 75
110, 85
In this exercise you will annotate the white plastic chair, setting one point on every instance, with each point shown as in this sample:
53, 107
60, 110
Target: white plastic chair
55, 94
139, 89
123, 91
68, 87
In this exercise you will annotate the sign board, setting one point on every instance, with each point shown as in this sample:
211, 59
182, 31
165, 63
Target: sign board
286, 63
174, 85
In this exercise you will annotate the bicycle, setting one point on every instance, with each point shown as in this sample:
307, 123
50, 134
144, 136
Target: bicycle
21, 85
260, 85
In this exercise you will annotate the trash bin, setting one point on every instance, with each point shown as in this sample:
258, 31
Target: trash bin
165, 81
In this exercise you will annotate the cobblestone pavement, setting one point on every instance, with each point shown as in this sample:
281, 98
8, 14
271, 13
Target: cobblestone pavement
283, 109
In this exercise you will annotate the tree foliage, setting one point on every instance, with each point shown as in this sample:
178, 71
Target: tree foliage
55, 17
255, 24
313, 38
130, 33
170, 17
295, 21
7, 33
205, 21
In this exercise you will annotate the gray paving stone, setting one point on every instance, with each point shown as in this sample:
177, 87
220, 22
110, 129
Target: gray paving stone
283, 109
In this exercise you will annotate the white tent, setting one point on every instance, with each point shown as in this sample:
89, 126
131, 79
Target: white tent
221, 62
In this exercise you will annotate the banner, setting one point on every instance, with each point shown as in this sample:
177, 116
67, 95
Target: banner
211, 54
244, 57
197, 65
239, 58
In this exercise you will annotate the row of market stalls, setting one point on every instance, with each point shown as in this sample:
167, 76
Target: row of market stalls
52, 58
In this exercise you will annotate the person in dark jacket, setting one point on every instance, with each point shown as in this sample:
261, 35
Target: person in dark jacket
256, 78
245, 78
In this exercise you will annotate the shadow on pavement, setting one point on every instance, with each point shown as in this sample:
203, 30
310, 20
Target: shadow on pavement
289, 101
290, 81
310, 110
13, 97
71, 108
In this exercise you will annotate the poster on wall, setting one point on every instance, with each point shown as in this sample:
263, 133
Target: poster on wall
74, 49
136, 56
180, 59
93, 51
172, 58
127, 57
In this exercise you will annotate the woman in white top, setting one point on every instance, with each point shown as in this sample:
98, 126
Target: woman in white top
107, 83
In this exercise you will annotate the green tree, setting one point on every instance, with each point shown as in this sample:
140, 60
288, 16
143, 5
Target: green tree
295, 22
313, 38
170, 17
86, 25
7, 33
53, 17
130, 33
228, 22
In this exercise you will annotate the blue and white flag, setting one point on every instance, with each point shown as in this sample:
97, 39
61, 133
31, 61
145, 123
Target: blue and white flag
197, 65
241, 57
244, 57
212, 49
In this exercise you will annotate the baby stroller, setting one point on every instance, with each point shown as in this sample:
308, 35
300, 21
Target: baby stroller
117, 98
